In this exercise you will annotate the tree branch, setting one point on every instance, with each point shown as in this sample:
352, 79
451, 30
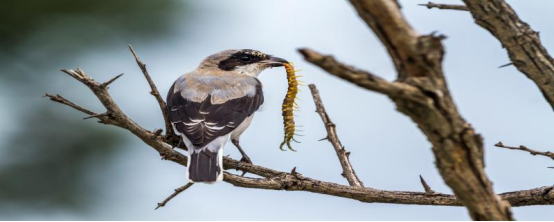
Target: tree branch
60, 99
174, 194
154, 91
524, 148
359, 77
288, 182
278, 180
342, 154
116, 117
522, 43
457, 148
431, 5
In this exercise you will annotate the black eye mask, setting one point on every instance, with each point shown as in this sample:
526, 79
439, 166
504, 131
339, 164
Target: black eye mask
242, 58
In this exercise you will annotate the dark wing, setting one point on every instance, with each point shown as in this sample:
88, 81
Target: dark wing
202, 122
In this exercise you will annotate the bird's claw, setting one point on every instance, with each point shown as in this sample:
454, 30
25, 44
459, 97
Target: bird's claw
246, 159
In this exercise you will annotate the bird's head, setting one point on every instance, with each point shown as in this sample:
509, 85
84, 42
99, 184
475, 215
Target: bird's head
246, 62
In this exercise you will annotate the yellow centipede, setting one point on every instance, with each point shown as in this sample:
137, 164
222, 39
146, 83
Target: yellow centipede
289, 106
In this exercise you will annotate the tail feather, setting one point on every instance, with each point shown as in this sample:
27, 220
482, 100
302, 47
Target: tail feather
205, 166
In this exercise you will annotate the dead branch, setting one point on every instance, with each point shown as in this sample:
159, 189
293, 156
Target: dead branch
431, 5
342, 154
422, 94
274, 179
154, 91
523, 44
174, 194
524, 148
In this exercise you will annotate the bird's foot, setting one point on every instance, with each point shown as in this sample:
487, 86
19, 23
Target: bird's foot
246, 159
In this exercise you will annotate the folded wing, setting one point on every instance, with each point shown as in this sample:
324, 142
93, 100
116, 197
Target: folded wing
202, 121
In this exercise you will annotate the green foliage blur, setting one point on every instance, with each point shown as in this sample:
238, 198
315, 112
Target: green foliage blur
50, 155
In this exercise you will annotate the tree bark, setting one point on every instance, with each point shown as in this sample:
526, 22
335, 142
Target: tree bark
422, 94
520, 41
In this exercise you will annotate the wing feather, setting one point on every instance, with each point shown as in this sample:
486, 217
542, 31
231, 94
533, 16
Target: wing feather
202, 122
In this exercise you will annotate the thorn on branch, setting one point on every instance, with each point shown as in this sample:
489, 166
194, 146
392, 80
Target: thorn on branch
504, 66
325, 138
157, 132
177, 192
431, 5
293, 171
110, 81
96, 115
428, 190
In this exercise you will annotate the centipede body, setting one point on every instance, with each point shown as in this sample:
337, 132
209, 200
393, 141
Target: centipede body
289, 106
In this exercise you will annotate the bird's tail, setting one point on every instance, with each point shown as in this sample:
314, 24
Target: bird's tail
205, 166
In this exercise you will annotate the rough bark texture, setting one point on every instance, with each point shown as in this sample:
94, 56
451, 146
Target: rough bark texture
457, 147
522, 43
343, 155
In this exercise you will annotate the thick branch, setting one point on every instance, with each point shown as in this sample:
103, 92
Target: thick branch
431, 5
418, 59
342, 154
359, 77
288, 182
524, 148
154, 91
522, 43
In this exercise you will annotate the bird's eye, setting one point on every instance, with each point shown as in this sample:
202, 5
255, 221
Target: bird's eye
245, 58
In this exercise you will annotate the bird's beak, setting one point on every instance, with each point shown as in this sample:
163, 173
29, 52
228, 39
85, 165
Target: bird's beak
274, 61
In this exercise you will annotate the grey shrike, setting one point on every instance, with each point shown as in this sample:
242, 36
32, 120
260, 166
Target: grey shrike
215, 103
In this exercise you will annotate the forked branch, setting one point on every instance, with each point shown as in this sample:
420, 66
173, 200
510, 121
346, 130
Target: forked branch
342, 154
274, 179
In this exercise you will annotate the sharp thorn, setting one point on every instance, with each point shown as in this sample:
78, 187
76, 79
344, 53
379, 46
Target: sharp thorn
505, 65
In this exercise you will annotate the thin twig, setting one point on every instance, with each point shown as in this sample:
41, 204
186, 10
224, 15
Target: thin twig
524, 148
177, 192
60, 99
154, 91
431, 5
342, 154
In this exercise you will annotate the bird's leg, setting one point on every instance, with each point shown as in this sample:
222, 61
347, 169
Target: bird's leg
245, 157
180, 144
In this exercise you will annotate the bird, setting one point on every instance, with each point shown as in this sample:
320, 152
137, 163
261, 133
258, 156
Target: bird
216, 103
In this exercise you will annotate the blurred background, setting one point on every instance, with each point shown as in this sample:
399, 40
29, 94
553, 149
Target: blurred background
56, 166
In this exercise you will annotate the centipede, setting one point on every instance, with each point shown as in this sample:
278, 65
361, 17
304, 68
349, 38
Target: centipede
289, 106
